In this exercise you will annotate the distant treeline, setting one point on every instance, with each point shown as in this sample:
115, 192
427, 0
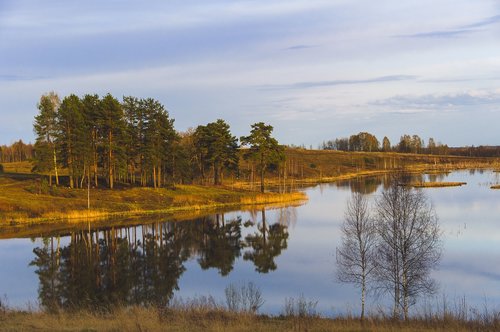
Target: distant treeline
475, 151
369, 143
17, 151
134, 141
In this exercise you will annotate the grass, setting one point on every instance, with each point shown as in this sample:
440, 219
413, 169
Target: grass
437, 184
496, 186
217, 319
24, 199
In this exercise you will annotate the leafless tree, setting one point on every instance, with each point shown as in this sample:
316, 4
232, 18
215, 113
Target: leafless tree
409, 245
355, 256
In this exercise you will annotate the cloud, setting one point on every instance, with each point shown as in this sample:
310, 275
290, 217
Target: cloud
457, 31
487, 21
440, 102
440, 34
11, 78
316, 84
300, 47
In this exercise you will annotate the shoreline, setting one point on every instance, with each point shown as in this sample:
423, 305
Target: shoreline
69, 206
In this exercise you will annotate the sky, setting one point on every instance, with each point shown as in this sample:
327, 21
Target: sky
314, 69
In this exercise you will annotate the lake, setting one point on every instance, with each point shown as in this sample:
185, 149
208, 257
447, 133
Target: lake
292, 256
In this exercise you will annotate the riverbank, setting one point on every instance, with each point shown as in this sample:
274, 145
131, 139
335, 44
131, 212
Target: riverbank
152, 319
24, 199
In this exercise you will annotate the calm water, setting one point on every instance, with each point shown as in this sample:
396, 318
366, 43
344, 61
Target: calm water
291, 255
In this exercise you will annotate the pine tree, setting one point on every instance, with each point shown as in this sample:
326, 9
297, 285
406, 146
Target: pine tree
72, 138
112, 132
45, 128
264, 149
218, 146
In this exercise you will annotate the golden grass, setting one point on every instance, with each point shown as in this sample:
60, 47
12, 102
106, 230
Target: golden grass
21, 201
152, 319
17, 167
496, 186
437, 184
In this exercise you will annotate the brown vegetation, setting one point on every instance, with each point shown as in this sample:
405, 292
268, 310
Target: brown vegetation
208, 319
27, 198
437, 184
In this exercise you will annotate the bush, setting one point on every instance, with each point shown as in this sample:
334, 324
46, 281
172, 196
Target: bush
247, 298
300, 307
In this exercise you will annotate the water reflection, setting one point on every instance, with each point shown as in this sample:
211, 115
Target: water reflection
141, 265
295, 246
266, 244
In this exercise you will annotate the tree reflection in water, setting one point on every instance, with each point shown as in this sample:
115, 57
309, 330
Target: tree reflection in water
266, 244
141, 265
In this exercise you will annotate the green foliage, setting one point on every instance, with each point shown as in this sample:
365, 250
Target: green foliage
216, 148
46, 130
264, 150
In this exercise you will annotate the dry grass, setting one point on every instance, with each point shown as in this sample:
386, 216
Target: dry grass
153, 319
23, 199
497, 186
437, 184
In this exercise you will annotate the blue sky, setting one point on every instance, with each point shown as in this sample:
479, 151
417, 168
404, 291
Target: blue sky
314, 69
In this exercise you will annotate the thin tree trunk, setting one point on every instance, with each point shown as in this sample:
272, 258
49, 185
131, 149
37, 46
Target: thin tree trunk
262, 173
154, 177
363, 296
110, 161
55, 165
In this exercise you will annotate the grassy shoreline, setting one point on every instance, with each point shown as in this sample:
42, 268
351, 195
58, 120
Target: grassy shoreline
22, 202
24, 199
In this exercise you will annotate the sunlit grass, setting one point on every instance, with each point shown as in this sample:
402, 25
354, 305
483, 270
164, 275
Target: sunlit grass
22, 199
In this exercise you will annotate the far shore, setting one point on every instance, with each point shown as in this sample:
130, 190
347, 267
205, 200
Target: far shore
24, 200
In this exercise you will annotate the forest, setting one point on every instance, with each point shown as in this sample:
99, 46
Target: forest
134, 142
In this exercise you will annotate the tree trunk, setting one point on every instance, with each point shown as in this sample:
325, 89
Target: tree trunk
363, 296
55, 165
216, 174
110, 161
154, 177
262, 168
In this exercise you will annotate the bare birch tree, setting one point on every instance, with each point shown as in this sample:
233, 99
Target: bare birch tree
409, 245
355, 257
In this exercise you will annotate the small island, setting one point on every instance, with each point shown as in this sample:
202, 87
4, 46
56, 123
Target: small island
437, 184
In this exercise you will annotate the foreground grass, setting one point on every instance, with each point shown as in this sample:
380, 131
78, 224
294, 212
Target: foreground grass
152, 319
